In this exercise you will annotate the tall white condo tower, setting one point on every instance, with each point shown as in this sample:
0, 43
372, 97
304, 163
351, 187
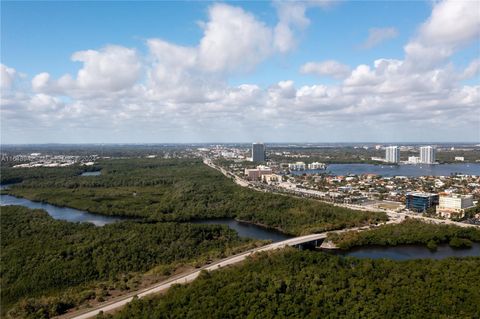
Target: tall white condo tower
392, 154
427, 155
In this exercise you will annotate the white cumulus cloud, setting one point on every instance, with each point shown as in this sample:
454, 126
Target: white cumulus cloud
182, 93
451, 25
234, 40
292, 19
326, 68
110, 69
7, 76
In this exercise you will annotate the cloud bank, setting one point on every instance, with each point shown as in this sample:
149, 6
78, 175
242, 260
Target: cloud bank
180, 93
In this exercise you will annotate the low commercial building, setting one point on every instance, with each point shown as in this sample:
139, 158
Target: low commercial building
271, 178
420, 202
413, 159
298, 166
255, 174
453, 205
316, 165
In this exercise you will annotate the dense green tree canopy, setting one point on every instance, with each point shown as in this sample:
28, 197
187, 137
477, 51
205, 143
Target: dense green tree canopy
41, 256
411, 231
177, 190
303, 284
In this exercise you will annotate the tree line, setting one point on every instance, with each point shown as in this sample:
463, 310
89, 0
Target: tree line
411, 231
51, 265
178, 190
304, 284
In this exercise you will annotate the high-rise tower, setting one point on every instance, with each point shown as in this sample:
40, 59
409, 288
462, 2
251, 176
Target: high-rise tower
392, 154
427, 155
258, 152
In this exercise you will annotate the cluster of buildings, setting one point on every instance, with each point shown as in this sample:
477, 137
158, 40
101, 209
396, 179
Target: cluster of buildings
45, 160
259, 156
427, 155
446, 205
301, 166
222, 151
446, 196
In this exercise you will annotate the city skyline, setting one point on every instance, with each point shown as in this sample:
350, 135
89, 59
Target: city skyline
187, 73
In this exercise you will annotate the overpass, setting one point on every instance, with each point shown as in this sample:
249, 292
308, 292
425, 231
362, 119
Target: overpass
115, 304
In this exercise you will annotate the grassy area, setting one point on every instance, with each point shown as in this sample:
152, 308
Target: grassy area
178, 190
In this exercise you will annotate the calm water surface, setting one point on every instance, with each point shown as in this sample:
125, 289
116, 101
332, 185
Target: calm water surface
96, 173
408, 252
63, 213
246, 230
398, 170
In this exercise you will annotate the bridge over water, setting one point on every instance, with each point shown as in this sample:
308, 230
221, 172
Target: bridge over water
300, 242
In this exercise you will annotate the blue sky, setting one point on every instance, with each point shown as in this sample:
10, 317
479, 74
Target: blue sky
210, 93
54, 30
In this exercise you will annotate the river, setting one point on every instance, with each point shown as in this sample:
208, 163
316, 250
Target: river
94, 173
63, 213
246, 230
407, 252
397, 170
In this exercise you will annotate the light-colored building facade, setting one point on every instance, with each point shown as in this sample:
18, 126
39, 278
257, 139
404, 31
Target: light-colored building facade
453, 205
427, 155
255, 174
298, 166
413, 159
459, 158
258, 152
392, 154
316, 165
271, 178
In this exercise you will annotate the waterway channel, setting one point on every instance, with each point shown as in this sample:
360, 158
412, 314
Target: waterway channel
62, 213
94, 173
246, 230
407, 252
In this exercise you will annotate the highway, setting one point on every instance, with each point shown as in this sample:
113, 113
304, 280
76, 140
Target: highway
392, 214
189, 277
121, 301
117, 303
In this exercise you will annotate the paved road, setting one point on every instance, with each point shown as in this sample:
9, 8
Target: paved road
391, 213
119, 302
189, 277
